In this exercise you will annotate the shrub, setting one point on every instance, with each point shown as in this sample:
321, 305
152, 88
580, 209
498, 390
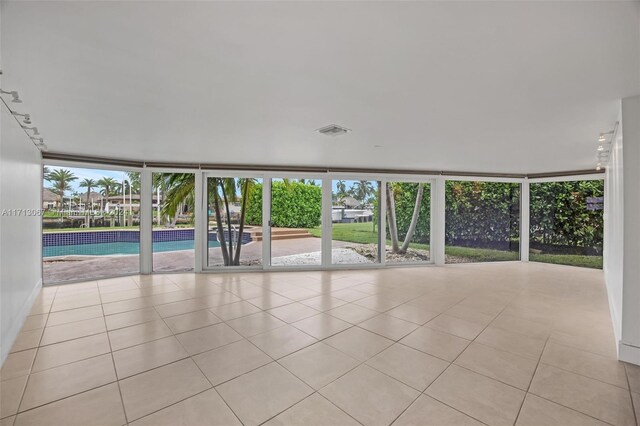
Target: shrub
482, 214
404, 194
559, 216
293, 205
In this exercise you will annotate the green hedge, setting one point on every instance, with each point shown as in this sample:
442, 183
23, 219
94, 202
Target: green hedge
478, 214
294, 205
487, 214
560, 219
482, 214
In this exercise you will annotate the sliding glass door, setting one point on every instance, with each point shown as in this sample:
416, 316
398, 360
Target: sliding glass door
355, 222
295, 222
408, 227
234, 221
288, 221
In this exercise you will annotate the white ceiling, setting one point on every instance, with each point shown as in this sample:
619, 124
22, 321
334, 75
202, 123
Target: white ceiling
510, 87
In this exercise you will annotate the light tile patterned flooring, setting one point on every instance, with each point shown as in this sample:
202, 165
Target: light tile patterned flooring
497, 344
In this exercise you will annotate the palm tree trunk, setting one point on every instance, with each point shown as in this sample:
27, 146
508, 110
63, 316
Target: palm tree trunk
220, 229
226, 204
391, 215
88, 219
414, 220
245, 196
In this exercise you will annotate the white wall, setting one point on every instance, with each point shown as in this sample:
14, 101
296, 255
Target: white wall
20, 236
629, 349
614, 232
622, 232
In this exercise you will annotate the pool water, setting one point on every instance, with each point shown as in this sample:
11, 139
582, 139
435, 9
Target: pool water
103, 249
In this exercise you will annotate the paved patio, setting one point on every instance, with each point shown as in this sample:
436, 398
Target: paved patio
78, 268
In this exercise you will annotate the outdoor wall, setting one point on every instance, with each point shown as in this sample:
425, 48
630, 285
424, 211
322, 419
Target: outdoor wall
20, 240
630, 340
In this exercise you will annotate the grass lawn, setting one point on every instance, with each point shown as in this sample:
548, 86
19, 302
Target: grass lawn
481, 255
363, 233
594, 262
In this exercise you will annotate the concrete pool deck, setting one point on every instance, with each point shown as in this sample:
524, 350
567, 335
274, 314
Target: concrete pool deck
82, 268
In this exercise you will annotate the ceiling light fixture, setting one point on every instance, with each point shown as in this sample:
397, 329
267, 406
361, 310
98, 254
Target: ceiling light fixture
333, 130
34, 128
26, 117
16, 98
605, 144
39, 142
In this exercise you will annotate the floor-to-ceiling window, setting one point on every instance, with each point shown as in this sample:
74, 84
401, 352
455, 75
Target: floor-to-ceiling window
482, 221
408, 233
90, 223
566, 222
92, 216
173, 216
355, 217
295, 221
234, 221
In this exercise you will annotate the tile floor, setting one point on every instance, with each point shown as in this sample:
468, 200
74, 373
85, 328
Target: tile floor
496, 344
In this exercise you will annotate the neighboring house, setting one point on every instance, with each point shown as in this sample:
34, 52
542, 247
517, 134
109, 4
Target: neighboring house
49, 199
95, 199
349, 202
117, 200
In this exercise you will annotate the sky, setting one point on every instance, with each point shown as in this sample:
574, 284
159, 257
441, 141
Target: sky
82, 174
97, 174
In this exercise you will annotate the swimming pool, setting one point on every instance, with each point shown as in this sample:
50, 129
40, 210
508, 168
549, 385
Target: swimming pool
114, 248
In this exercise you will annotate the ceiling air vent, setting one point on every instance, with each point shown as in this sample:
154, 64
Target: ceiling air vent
333, 130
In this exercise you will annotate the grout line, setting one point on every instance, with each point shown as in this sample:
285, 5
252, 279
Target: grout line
454, 360
190, 357
635, 409
115, 370
582, 375
276, 361
63, 398
26, 383
569, 408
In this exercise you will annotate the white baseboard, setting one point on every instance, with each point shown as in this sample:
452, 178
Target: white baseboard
628, 353
7, 341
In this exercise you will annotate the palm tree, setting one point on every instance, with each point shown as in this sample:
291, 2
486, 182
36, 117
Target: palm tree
60, 179
179, 190
391, 219
134, 178
89, 184
222, 192
341, 189
45, 173
362, 190
75, 197
109, 186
